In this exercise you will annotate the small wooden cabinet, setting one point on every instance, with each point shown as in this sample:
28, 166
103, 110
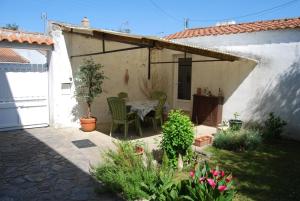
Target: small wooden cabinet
207, 110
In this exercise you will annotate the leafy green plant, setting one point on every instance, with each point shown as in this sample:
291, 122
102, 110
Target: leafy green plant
205, 184
164, 188
236, 115
88, 82
124, 171
237, 140
178, 136
273, 127
235, 124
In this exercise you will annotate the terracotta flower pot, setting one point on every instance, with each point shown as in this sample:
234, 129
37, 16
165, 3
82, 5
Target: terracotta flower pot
139, 150
88, 124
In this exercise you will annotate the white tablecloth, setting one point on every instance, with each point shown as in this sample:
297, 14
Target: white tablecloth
142, 108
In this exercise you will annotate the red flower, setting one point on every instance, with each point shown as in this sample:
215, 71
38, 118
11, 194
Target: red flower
228, 179
214, 172
222, 173
222, 188
192, 174
211, 183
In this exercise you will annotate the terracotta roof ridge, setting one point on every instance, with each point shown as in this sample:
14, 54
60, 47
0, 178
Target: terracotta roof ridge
22, 36
244, 27
243, 23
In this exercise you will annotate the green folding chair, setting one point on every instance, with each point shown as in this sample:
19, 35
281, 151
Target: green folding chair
156, 95
121, 117
123, 95
157, 114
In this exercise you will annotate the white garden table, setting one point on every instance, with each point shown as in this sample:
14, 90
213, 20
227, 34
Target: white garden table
142, 108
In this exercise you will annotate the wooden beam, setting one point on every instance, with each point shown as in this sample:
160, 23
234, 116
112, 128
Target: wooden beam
197, 51
106, 52
124, 39
103, 44
195, 61
149, 63
152, 43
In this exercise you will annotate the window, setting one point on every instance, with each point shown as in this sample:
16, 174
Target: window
184, 78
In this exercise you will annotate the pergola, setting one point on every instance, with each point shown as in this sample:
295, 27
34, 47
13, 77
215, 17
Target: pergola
140, 42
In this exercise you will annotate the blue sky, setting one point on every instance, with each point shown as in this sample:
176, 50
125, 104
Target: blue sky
148, 17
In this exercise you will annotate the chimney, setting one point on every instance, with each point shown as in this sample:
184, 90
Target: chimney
85, 22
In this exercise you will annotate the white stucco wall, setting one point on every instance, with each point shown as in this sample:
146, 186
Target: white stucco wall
273, 85
61, 99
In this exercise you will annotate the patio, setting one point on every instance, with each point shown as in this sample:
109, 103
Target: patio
44, 163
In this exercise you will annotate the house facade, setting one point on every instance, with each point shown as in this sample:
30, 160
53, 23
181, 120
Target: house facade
41, 92
256, 70
274, 84
121, 53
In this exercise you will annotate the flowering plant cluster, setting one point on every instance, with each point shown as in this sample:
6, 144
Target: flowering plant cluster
209, 184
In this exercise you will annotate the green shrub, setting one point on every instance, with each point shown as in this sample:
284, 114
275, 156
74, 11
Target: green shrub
124, 171
178, 136
136, 176
237, 140
273, 127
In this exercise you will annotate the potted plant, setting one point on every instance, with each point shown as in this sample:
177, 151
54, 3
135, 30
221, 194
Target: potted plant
139, 149
235, 124
88, 82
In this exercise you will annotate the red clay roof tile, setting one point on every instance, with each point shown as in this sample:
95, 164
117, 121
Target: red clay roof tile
24, 37
291, 23
9, 55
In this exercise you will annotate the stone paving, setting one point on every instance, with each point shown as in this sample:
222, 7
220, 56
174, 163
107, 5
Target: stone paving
42, 164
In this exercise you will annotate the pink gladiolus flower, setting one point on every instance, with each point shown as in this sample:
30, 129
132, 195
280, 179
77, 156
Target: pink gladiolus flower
228, 179
222, 188
211, 183
214, 172
222, 173
192, 174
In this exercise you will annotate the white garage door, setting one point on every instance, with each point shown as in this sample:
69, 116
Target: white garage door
23, 96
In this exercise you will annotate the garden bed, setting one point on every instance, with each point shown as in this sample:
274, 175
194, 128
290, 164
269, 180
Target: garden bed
269, 173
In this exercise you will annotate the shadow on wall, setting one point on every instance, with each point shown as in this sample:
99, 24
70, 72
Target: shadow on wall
78, 111
282, 98
227, 76
234, 75
9, 110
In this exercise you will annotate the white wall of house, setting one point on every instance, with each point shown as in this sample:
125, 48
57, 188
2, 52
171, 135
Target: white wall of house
273, 85
61, 84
